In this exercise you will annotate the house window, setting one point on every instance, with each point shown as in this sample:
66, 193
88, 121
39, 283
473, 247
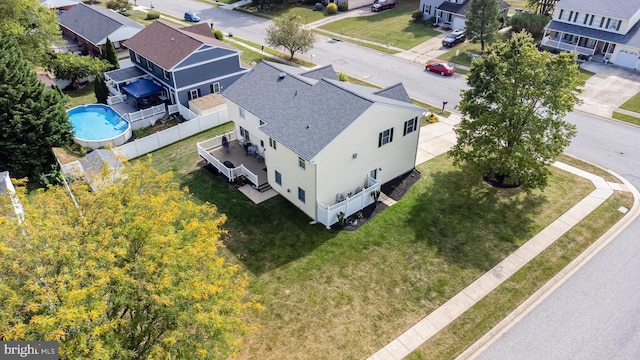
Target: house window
278, 178
241, 113
194, 94
137, 57
618, 27
560, 15
262, 143
149, 65
215, 88
241, 131
586, 17
608, 22
301, 195
272, 143
165, 73
591, 20
601, 22
427, 9
575, 18
410, 126
302, 163
570, 15
385, 137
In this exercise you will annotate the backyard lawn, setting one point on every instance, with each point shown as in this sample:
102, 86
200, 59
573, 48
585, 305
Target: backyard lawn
392, 27
343, 295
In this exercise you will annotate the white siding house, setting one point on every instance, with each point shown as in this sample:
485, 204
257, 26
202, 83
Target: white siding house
326, 144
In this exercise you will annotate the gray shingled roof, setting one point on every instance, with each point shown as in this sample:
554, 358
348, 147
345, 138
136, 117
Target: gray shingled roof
120, 75
97, 24
631, 38
303, 114
619, 9
324, 72
464, 7
397, 92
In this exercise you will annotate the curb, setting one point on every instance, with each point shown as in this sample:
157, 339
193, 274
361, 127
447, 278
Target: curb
530, 303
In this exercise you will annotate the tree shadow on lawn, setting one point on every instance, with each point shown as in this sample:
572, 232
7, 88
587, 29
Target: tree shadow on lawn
471, 223
262, 236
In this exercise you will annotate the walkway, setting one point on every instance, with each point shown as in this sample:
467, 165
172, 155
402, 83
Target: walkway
456, 306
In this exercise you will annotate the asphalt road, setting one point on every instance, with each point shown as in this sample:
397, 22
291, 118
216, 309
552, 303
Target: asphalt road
593, 315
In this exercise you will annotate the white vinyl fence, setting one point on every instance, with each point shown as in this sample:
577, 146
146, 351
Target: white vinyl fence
173, 134
328, 214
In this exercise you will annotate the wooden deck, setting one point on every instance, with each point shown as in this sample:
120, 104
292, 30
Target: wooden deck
238, 156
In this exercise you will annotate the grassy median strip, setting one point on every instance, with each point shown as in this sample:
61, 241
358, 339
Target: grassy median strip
483, 316
627, 118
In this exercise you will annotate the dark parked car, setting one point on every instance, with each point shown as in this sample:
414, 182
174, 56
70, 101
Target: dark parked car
379, 5
454, 38
441, 67
191, 16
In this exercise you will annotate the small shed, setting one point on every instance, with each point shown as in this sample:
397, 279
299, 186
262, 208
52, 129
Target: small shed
207, 104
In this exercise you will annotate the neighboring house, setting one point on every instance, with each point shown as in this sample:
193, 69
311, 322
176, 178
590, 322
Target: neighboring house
187, 62
324, 141
60, 5
7, 189
597, 29
90, 26
452, 13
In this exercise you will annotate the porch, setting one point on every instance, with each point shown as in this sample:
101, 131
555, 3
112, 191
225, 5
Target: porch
580, 44
230, 158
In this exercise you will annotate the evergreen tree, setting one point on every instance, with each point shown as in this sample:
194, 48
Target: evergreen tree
483, 21
100, 89
32, 118
111, 55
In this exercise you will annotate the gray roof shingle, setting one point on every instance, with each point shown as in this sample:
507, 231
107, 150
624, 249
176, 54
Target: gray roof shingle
304, 114
619, 9
97, 24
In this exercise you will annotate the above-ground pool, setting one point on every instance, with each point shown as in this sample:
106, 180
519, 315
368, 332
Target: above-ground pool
97, 125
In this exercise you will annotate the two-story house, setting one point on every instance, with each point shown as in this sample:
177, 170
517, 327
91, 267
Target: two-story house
597, 29
186, 62
324, 141
90, 26
452, 13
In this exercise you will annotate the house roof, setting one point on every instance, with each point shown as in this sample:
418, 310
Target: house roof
54, 4
305, 114
167, 45
464, 7
631, 38
121, 75
209, 101
97, 24
620, 9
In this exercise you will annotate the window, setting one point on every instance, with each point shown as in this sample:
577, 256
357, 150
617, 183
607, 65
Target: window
241, 113
575, 18
410, 126
272, 143
601, 21
149, 64
278, 178
570, 15
586, 17
194, 94
385, 137
136, 56
262, 143
301, 195
165, 73
215, 88
241, 131
608, 22
591, 20
427, 9
302, 163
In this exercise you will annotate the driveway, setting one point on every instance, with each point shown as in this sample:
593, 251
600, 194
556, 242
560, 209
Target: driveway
609, 88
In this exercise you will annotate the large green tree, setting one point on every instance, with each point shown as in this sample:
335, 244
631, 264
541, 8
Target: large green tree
33, 26
121, 6
512, 126
111, 55
130, 271
288, 33
32, 117
483, 21
70, 66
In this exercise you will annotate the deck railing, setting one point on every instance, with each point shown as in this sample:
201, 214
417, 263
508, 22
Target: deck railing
232, 174
328, 214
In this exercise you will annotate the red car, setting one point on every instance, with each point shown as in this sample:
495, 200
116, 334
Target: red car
441, 67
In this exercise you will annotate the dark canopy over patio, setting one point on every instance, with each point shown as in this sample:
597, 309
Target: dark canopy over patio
142, 88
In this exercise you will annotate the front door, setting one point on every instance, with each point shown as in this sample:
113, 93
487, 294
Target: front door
374, 173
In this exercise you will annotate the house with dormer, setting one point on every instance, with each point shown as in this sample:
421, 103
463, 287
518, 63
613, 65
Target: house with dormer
598, 30
90, 27
327, 145
185, 63
452, 14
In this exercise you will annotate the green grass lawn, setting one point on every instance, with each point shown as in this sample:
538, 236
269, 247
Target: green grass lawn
585, 74
83, 96
346, 294
463, 51
625, 117
632, 104
392, 26
296, 59
304, 13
